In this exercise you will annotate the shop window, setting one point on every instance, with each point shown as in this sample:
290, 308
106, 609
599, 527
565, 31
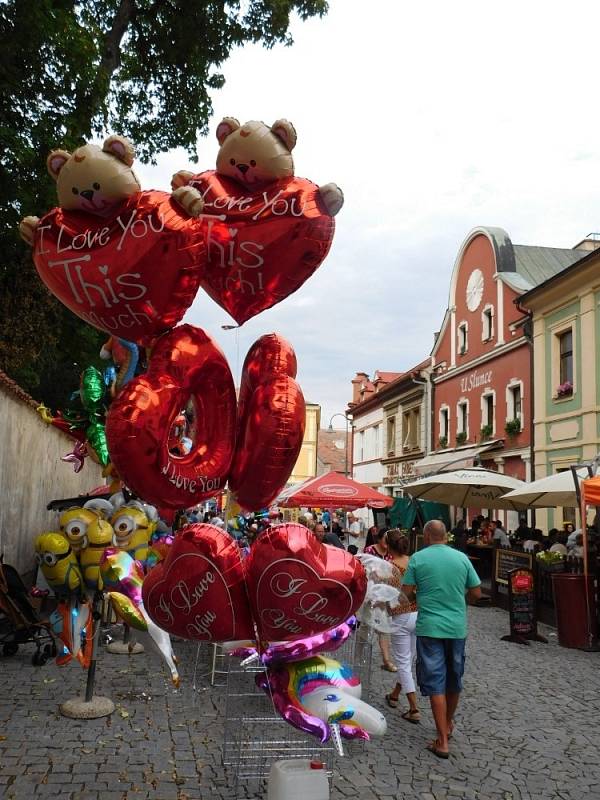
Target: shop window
463, 338
487, 319
391, 436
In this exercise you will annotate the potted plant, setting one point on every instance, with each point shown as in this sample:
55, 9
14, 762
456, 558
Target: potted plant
485, 432
443, 442
461, 437
564, 389
513, 427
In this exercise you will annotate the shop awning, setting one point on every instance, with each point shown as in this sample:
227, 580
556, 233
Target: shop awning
458, 459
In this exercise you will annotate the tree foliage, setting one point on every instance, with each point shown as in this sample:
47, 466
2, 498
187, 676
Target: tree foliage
71, 71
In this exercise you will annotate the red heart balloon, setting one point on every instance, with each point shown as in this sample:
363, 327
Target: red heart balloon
198, 591
132, 274
185, 365
299, 587
261, 247
271, 420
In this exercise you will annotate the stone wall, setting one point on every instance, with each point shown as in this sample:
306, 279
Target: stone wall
32, 474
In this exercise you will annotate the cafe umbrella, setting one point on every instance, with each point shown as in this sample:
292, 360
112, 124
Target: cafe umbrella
468, 488
332, 490
554, 490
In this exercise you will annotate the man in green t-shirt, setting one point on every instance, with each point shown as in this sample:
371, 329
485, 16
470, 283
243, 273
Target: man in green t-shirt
439, 577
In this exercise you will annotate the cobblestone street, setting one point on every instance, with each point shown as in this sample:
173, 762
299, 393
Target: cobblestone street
527, 729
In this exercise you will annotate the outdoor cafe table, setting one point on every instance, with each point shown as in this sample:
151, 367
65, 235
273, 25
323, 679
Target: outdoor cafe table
482, 558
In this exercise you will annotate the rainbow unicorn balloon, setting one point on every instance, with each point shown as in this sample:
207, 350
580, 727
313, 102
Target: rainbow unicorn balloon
319, 692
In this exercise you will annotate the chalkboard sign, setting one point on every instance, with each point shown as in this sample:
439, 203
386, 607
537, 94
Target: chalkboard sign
507, 560
522, 608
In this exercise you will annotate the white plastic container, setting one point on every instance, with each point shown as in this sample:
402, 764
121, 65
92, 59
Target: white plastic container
298, 779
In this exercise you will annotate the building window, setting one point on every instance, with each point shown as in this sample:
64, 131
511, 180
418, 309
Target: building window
488, 405
568, 514
566, 357
361, 446
411, 421
391, 436
444, 426
514, 408
463, 338
376, 441
462, 421
487, 319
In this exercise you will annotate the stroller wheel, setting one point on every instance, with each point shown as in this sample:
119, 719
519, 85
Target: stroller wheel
9, 648
39, 658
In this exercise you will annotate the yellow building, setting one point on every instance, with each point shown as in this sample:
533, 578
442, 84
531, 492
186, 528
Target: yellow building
306, 465
565, 311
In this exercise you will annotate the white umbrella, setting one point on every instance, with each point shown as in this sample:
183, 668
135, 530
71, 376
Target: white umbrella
555, 490
467, 488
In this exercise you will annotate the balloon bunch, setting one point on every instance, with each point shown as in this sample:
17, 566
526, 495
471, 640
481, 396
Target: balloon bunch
130, 263
102, 545
289, 587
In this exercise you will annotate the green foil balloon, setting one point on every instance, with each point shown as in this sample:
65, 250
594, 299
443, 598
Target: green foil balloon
96, 437
92, 389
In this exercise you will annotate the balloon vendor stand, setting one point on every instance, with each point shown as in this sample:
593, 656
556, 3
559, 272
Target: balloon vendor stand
256, 735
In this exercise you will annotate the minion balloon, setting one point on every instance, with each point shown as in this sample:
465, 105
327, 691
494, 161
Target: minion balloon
134, 525
58, 563
100, 535
74, 524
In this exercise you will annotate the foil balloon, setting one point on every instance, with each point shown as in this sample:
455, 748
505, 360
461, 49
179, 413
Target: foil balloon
100, 536
266, 230
271, 420
127, 262
299, 587
300, 649
187, 375
124, 577
58, 563
72, 623
92, 389
126, 357
133, 529
95, 434
198, 591
318, 692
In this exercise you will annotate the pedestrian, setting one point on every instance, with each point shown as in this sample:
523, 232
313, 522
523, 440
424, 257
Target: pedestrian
500, 535
403, 638
326, 537
461, 535
438, 577
380, 549
353, 532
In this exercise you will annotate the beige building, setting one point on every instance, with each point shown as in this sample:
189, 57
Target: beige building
306, 465
565, 313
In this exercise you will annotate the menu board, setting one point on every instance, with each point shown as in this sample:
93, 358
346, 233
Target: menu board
522, 607
507, 560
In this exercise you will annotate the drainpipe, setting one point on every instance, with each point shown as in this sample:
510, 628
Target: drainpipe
528, 332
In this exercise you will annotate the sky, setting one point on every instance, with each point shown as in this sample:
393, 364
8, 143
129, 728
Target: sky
433, 118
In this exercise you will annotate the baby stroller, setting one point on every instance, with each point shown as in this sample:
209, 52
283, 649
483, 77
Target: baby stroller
19, 621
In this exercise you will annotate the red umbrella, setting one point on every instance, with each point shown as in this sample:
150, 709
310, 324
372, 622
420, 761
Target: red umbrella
332, 490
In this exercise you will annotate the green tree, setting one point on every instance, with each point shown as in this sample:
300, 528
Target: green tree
70, 71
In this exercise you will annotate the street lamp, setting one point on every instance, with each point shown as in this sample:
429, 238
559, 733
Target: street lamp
330, 429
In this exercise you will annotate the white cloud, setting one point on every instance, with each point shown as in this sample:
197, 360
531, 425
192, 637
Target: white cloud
434, 118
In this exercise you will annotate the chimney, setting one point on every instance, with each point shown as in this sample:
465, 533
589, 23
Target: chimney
357, 384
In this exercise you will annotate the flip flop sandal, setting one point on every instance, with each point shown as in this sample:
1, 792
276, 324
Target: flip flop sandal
392, 703
436, 752
412, 716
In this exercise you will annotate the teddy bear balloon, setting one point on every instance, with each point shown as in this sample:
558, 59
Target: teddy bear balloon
126, 261
267, 231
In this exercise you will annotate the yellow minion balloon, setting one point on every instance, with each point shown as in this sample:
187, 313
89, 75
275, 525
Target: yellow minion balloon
74, 524
100, 535
133, 529
58, 563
